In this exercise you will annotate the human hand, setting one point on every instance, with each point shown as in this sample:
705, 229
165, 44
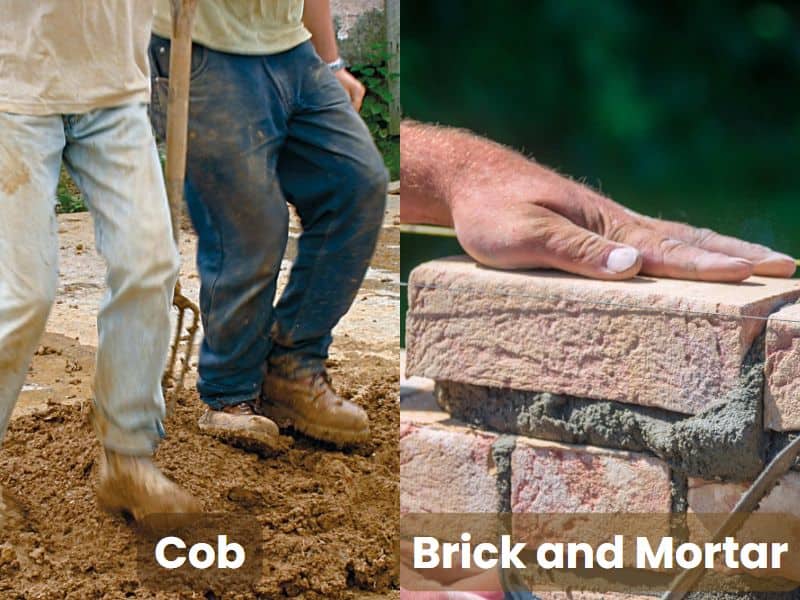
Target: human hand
446, 584
354, 88
549, 222
408, 595
510, 212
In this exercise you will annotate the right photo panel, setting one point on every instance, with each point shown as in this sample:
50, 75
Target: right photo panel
600, 328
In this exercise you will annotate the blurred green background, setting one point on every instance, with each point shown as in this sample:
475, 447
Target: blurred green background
684, 110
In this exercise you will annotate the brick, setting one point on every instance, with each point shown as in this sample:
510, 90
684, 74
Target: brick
667, 343
446, 468
720, 498
557, 478
716, 497
782, 388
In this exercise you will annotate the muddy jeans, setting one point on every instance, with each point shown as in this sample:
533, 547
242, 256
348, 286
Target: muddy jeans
264, 131
112, 157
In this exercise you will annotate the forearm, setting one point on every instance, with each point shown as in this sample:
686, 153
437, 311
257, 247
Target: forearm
318, 20
439, 166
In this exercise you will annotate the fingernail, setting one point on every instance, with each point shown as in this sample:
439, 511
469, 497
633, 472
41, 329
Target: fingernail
776, 264
621, 259
777, 257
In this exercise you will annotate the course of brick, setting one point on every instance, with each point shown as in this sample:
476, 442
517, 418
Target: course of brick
445, 466
672, 344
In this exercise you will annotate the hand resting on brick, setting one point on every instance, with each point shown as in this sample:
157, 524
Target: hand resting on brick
509, 212
446, 584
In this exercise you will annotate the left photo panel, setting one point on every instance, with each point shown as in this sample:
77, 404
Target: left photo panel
199, 299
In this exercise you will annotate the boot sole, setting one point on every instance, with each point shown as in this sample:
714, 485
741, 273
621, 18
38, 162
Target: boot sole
286, 417
248, 440
169, 519
158, 524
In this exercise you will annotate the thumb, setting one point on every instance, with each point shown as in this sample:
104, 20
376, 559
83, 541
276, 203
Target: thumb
576, 250
554, 242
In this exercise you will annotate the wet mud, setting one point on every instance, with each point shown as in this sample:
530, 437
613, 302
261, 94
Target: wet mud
328, 517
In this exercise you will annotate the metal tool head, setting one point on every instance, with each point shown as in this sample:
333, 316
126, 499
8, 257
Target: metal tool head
188, 323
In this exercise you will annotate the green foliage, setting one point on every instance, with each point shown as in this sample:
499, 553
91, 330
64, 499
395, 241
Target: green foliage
375, 110
68, 196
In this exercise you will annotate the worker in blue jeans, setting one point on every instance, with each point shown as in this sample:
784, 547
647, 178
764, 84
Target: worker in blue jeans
273, 119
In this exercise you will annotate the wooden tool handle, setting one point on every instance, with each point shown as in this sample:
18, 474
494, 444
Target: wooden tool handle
180, 62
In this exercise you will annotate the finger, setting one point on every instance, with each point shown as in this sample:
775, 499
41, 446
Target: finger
414, 581
487, 584
664, 256
548, 240
765, 260
409, 595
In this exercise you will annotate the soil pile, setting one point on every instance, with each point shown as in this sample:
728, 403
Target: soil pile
328, 517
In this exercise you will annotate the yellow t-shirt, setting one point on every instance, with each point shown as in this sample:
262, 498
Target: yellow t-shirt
71, 56
241, 26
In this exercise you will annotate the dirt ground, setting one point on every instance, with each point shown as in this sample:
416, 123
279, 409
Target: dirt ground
328, 517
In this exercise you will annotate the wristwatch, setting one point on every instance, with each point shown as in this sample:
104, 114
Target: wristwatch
337, 65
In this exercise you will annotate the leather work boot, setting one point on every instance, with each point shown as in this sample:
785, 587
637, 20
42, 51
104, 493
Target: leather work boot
133, 484
240, 425
310, 405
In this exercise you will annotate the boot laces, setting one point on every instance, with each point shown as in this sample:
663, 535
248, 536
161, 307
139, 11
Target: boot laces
321, 383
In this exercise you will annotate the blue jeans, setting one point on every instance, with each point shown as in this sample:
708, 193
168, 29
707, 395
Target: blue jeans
111, 155
264, 131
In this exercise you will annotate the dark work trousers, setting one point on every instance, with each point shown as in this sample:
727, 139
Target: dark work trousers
264, 131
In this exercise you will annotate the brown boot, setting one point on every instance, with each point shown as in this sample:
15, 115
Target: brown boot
240, 425
310, 405
133, 484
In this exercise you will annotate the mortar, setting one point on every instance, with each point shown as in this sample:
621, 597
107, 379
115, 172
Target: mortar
725, 442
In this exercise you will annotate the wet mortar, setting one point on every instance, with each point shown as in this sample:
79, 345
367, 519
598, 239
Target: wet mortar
725, 442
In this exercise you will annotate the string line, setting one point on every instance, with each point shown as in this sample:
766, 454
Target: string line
551, 298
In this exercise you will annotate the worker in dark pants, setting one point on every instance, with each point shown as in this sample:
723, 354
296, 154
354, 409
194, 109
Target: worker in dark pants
273, 119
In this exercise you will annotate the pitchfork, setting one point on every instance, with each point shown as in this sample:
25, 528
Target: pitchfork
177, 125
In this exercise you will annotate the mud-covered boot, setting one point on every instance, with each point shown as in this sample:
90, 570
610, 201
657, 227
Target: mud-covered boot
242, 426
310, 405
133, 484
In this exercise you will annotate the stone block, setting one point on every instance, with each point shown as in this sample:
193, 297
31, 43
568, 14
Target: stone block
782, 370
673, 344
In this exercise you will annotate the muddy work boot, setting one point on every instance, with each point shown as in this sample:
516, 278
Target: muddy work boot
134, 485
311, 406
241, 425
